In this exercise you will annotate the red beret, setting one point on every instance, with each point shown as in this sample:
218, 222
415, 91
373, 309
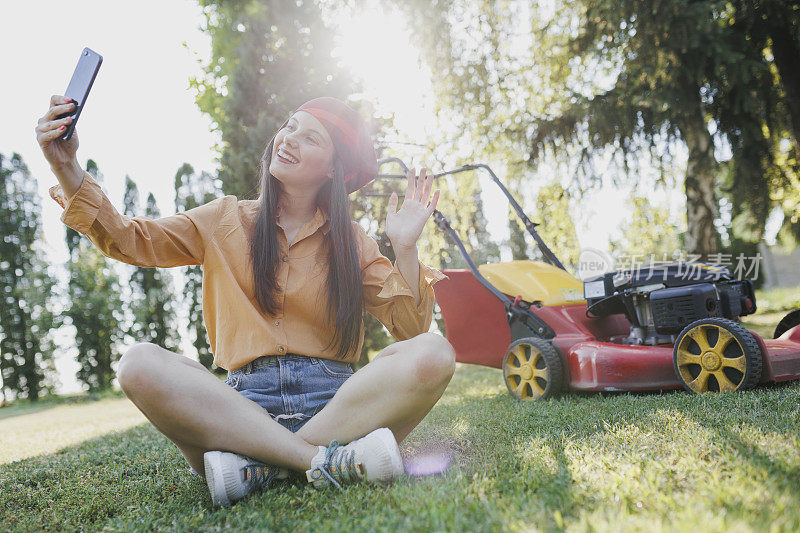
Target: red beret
350, 137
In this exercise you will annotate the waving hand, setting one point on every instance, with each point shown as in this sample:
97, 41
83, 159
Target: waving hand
404, 227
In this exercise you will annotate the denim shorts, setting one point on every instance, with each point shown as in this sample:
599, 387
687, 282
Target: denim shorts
291, 388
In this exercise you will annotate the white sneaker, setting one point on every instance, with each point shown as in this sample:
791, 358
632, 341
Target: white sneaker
231, 476
373, 458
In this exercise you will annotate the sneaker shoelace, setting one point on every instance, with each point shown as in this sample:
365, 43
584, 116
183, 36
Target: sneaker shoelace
338, 462
259, 474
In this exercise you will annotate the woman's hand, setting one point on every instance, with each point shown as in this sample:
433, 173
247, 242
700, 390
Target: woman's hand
405, 226
59, 153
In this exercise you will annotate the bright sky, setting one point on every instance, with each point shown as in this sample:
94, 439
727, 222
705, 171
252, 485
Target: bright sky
141, 119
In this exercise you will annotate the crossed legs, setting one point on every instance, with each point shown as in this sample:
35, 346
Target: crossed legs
199, 413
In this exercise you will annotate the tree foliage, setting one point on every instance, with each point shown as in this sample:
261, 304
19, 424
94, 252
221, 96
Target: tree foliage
26, 287
94, 308
756, 103
192, 191
267, 59
151, 299
577, 82
488, 88
153, 304
648, 233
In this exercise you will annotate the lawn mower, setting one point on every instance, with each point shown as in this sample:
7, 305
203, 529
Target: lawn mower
637, 329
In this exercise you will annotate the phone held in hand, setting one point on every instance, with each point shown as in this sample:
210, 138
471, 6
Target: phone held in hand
79, 86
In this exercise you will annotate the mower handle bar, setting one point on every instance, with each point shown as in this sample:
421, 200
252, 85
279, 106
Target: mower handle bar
547, 253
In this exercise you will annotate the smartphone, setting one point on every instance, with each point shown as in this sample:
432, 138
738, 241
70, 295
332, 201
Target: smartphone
79, 86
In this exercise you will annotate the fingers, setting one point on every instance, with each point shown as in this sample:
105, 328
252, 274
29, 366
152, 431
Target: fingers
47, 126
426, 189
392, 206
419, 184
434, 201
419, 188
59, 99
55, 112
58, 106
50, 135
411, 183
51, 129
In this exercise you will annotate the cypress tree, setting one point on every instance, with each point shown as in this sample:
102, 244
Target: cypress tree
94, 309
192, 191
151, 301
157, 313
26, 287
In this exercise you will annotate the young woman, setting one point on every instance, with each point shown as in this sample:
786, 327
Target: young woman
285, 279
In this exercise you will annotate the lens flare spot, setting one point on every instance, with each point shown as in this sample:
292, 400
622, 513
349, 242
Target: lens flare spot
426, 464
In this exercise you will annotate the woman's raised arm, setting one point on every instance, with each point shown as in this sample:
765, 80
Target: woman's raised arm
175, 240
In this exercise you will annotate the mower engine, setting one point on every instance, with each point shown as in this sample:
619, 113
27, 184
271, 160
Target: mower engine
660, 299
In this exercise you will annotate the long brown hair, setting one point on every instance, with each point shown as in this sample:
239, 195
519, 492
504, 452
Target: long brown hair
345, 290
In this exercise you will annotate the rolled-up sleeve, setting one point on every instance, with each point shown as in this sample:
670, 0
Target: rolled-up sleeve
389, 298
175, 240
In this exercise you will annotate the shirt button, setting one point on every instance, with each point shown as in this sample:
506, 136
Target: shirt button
277, 322
285, 258
281, 348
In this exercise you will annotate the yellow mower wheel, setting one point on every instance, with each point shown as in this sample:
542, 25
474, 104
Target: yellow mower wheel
533, 369
716, 354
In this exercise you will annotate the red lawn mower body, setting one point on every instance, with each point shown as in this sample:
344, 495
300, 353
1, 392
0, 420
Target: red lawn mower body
477, 327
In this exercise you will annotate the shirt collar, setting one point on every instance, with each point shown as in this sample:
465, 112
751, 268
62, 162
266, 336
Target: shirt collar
320, 219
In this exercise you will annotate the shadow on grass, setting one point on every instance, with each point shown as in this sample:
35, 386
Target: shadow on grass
512, 465
535, 448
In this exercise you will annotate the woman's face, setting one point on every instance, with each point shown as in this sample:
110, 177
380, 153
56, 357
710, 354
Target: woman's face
302, 153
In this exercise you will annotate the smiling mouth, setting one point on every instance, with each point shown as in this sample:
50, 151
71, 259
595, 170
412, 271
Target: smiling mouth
284, 160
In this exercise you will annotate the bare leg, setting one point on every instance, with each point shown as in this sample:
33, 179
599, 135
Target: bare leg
199, 413
192, 454
396, 389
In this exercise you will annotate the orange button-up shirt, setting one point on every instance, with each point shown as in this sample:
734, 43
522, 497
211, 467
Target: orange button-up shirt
216, 236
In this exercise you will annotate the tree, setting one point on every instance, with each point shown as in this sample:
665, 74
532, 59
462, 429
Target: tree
192, 191
94, 309
760, 118
488, 87
576, 82
773, 28
152, 302
553, 205
157, 310
660, 57
648, 233
129, 293
26, 287
267, 59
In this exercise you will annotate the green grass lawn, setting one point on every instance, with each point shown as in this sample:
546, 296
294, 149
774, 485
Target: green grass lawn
600, 462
